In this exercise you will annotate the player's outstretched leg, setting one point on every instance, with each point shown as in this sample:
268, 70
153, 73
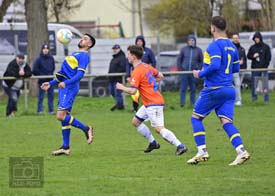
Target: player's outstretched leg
236, 140
172, 139
88, 131
199, 137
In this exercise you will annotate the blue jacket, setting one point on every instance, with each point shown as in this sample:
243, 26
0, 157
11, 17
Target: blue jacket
148, 56
44, 65
190, 57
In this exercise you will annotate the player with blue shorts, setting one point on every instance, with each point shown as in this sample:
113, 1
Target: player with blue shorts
220, 62
68, 79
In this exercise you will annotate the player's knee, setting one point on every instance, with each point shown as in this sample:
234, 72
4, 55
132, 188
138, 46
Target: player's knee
60, 116
135, 122
195, 117
225, 120
158, 129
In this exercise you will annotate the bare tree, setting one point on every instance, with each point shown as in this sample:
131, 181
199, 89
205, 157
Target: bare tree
133, 11
3, 8
36, 16
180, 17
61, 9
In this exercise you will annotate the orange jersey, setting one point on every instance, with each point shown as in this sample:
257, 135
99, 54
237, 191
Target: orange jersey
143, 78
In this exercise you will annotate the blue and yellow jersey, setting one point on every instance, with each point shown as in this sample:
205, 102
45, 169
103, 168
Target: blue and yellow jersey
220, 61
73, 63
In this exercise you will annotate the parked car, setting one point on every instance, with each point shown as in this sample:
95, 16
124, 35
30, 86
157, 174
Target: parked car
167, 62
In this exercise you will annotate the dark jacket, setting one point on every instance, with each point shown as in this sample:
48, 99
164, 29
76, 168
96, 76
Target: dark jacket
13, 70
190, 57
44, 65
242, 55
117, 65
148, 56
264, 53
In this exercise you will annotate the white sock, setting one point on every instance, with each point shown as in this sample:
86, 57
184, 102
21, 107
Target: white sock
169, 136
145, 131
202, 149
240, 149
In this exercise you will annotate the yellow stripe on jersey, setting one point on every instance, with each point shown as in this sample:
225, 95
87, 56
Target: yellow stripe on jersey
67, 127
235, 62
199, 133
206, 58
72, 61
235, 135
71, 120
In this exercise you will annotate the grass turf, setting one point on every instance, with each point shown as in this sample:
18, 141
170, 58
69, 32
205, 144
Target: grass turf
116, 165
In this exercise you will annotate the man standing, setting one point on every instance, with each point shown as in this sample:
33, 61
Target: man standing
117, 65
19, 69
68, 80
220, 62
147, 57
260, 55
238, 77
190, 58
144, 78
44, 65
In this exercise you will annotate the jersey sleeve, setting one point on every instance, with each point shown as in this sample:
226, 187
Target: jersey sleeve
236, 62
211, 60
135, 79
83, 62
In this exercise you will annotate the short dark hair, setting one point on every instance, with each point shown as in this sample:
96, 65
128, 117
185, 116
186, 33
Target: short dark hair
219, 22
91, 38
136, 50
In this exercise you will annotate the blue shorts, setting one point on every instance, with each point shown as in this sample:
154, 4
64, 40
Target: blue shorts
66, 97
221, 100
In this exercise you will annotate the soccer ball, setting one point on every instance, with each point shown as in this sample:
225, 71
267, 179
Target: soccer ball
64, 36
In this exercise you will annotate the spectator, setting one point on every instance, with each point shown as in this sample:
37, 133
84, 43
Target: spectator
260, 55
148, 58
117, 65
239, 76
19, 69
190, 58
43, 66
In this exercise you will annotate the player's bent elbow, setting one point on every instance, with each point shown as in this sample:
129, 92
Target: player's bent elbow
132, 91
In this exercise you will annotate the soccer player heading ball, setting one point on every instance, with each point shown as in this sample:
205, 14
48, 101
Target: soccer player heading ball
68, 79
144, 78
220, 62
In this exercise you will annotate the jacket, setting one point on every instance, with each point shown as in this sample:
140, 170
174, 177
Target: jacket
117, 65
44, 65
13, 70
242, 55
190, 57
148, 56
264, 53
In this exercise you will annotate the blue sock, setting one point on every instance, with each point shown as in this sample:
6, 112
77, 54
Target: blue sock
198, 131
154, 142
66, 131
180, 146
74, 122
233, 134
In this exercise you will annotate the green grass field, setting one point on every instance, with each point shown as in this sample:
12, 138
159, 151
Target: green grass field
116, 165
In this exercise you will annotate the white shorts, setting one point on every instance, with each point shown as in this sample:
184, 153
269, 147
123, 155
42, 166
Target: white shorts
152, 113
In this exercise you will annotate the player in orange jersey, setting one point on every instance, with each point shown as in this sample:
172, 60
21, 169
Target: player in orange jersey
144, 78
